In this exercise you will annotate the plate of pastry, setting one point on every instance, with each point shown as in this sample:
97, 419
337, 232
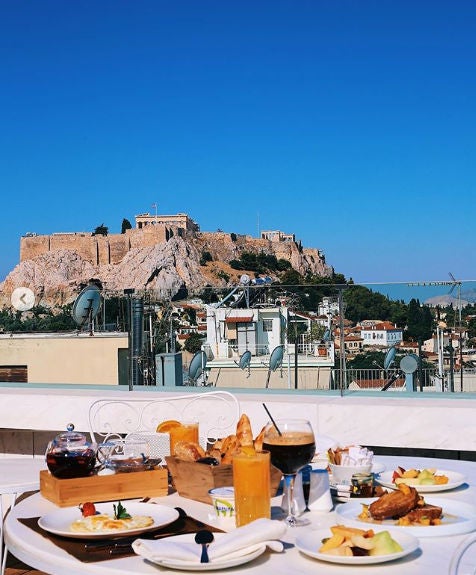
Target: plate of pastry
421, 517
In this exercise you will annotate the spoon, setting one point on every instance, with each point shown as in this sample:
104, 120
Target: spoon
204, 538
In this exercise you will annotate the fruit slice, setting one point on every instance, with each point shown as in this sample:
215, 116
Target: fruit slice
167, 425
384, 544
332, 543
248, 450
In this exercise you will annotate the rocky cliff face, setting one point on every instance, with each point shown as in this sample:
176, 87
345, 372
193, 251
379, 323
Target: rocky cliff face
164, 268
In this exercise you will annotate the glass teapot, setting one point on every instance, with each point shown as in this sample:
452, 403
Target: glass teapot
70, 455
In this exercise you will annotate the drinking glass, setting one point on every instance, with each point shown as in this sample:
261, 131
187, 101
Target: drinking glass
292, 445
104, 458
129, 455
251, 480
186, 431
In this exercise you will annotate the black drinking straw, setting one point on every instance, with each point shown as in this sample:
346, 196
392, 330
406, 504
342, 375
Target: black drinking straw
271, 417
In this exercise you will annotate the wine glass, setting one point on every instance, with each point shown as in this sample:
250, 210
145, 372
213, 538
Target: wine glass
292, 445
104, 457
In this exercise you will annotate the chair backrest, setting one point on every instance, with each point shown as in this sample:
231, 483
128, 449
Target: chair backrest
457, 557
217, 413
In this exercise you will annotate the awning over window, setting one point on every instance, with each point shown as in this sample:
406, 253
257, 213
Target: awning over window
239, 319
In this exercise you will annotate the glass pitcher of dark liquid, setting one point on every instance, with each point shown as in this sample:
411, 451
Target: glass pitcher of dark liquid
70, 455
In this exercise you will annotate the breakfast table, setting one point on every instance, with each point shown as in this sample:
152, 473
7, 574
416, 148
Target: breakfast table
433, 555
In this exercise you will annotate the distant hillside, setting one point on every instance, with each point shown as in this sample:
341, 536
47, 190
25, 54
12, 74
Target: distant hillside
57, 267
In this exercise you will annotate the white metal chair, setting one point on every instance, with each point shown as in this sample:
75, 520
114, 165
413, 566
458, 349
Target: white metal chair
458, 553
217, 413
18, 475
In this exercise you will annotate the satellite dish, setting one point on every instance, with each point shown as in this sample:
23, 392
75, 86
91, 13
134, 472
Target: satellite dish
276, 358
409, 363
390, 357
197, 366
275, 361
245, 279
245, 360
86, 306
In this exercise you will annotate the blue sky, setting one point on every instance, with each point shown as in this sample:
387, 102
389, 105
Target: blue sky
348, 123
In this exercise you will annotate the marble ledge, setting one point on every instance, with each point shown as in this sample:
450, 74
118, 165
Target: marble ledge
395, 419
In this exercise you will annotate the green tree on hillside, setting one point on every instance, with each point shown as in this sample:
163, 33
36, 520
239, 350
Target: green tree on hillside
193, 343
101, 230
126, 225
420, 322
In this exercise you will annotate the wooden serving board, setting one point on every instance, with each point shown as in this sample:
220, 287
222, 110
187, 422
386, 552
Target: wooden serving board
193, 480
98, 488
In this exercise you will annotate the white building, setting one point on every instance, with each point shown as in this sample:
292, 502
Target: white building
381, 334
261, 331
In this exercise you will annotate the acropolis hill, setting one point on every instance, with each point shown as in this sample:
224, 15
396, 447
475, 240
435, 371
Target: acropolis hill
161, 254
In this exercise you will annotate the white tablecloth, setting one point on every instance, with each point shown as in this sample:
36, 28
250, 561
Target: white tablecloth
433, 556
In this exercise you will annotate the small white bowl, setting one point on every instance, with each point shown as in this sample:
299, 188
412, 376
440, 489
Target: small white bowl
342, 474
223, 500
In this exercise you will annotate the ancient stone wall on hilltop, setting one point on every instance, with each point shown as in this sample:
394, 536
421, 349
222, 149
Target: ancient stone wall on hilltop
161, 259
96, 249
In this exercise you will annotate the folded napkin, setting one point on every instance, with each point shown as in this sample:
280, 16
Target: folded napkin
235, 543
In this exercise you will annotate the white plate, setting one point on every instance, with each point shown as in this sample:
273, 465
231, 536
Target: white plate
455, 479
458, 518
310, 542
58, 522
221, 563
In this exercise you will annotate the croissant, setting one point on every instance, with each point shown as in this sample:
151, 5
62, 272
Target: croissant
189, 451
258, 443
227, 442
231, 446
244, 431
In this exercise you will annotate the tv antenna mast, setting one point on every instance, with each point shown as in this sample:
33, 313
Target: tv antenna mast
457, 284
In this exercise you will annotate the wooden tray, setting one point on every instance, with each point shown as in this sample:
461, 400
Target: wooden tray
193, 480
97, 488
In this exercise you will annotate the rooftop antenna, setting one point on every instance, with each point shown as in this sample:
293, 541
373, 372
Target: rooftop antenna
275, 361
245, 361
457, 283
86, 307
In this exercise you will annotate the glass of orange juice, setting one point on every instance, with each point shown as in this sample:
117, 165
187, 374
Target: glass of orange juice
251, 480
186, 431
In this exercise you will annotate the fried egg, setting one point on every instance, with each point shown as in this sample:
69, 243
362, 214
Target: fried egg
106, 524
